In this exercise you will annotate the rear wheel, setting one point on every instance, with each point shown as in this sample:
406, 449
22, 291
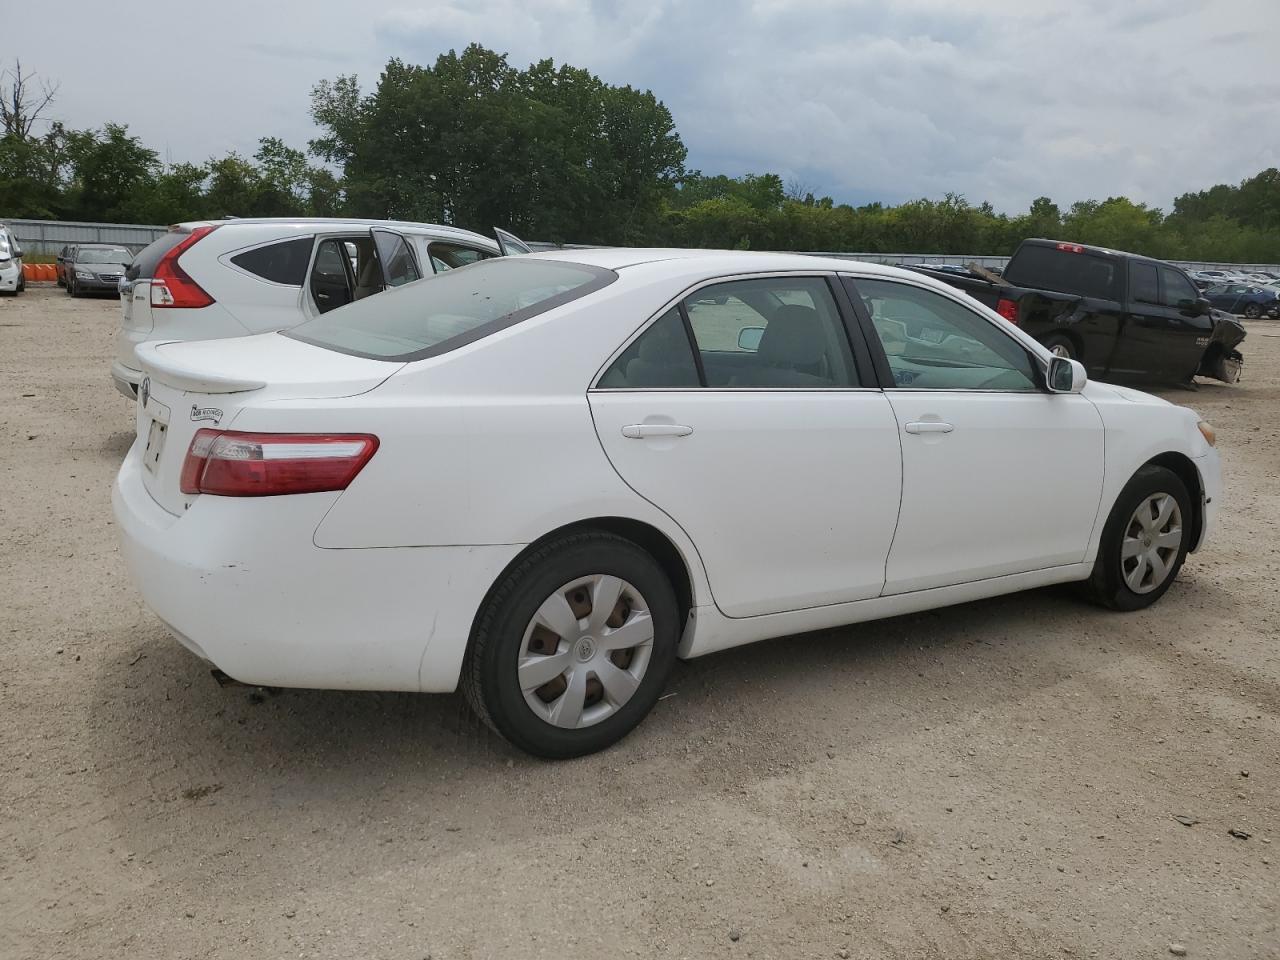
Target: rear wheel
1252, 311
574, 646
1144, 542
1061, 345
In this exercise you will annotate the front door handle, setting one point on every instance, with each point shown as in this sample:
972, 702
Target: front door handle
928, 426
643, 431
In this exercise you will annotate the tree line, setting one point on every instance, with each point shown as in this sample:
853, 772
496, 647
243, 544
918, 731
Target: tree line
555, 153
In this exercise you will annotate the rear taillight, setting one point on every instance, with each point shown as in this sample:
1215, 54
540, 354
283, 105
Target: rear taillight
1008, 309
227, 463
171, 286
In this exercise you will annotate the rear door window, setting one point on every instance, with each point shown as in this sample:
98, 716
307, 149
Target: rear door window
332, 279
284, 262
780, 332
661, 357
1143, 287
398, 265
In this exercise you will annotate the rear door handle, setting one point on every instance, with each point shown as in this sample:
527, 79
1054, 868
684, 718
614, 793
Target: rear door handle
928, 426
642, 431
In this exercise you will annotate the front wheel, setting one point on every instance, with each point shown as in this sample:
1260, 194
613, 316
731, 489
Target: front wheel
1061, 346
573, 647
1144, 542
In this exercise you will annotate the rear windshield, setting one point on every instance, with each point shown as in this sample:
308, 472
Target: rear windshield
451, 309
144, 264
1048, 268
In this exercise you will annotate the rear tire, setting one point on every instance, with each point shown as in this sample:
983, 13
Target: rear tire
1061, 345
604, 691
1252, 311
1144, 542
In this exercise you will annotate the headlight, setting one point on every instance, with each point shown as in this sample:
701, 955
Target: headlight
1207, 431
83, 275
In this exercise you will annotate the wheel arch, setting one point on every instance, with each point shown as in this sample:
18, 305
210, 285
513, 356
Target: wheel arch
644, 535
1186, 471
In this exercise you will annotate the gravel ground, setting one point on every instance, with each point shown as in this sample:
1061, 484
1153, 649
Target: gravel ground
1001, 779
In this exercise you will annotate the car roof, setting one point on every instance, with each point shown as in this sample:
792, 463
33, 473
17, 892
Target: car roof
716, 261
437, 229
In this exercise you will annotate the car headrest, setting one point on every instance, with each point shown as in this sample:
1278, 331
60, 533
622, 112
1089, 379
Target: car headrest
793, 337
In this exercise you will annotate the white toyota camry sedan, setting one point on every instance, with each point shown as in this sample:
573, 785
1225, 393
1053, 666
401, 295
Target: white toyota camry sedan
546, 477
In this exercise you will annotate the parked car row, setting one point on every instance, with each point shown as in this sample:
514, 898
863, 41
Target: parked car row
1206, 278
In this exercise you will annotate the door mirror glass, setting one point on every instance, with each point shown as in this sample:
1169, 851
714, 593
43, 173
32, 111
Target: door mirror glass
749, 338
1066, 376
1203, 306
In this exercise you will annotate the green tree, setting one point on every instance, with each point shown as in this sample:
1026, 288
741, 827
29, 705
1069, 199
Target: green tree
112, 174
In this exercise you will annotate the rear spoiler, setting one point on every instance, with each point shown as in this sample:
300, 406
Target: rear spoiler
185, 377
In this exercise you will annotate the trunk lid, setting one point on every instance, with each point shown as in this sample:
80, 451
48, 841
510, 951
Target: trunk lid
189, 385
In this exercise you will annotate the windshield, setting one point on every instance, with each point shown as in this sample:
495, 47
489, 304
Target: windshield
444, 312
104, 255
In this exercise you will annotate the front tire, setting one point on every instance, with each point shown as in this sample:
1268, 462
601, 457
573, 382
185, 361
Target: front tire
1144, 542
573, 646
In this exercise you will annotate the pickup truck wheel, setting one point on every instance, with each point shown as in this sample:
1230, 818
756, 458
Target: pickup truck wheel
1252, 311
1061, 346
1144, 542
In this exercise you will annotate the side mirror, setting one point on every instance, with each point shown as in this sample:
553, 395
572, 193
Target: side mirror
1066, 376
1194, 308
749, 338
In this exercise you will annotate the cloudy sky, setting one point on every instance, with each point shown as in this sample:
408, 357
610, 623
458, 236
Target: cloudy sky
1001, 100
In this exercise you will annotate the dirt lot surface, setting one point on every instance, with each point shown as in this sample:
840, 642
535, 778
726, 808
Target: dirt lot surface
994, 780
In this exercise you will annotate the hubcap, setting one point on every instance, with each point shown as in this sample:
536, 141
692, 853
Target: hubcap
1060, 350
585, 651
1151, 543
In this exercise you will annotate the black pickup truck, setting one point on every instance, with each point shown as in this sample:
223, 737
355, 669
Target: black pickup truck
1123, 316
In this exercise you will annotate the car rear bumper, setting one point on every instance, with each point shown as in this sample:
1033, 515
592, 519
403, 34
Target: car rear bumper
241, 584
